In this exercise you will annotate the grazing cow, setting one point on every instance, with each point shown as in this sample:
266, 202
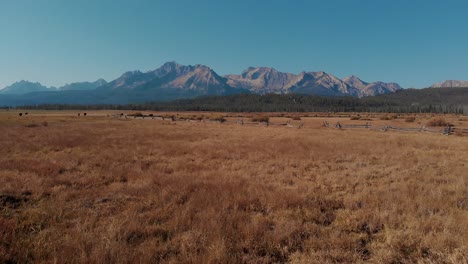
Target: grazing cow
20, 114
79, 114
84, 114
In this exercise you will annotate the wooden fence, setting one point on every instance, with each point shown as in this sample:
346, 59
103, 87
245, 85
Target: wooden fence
211, 121
448, 130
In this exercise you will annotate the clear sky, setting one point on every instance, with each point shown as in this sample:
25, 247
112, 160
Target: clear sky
412, 42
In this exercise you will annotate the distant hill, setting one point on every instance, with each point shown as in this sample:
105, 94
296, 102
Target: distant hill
450, 83
24, 87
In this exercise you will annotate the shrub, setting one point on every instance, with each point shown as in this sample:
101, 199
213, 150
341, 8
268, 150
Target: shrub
261, 119
218, 118
31, 125
410, 119
355, 118
168, 116
137, 114
296, 118
438, 121
389, 117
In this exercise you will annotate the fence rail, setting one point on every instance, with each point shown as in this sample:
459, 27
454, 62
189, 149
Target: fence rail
448, 130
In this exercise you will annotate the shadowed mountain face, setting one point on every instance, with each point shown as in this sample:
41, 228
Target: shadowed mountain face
268, 80
450, 83
83, 85
175, 81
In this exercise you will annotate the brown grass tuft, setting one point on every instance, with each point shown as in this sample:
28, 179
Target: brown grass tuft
136, 114
261, 119
218, 118
437, 122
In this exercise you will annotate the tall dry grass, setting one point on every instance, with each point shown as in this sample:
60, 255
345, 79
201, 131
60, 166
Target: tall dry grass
107, 191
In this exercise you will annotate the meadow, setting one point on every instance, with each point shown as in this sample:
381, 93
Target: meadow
100, 189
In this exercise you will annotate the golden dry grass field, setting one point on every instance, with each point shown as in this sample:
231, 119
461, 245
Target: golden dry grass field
98, 189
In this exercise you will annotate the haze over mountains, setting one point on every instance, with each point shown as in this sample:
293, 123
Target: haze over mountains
83, 85
24, 87
450, 83
175, 81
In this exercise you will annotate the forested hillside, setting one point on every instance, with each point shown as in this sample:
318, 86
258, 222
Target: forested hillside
431, 100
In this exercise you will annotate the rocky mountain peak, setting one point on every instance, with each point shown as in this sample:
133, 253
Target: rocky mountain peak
100, 82
355, 82
129, 74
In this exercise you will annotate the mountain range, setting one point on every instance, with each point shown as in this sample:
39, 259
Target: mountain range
264, 80
175, 81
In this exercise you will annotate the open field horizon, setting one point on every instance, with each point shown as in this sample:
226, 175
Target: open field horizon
99, 189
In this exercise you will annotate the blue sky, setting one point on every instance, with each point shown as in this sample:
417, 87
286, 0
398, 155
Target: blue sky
414, 43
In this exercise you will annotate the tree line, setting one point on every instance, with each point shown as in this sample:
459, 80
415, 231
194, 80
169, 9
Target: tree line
397, 103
